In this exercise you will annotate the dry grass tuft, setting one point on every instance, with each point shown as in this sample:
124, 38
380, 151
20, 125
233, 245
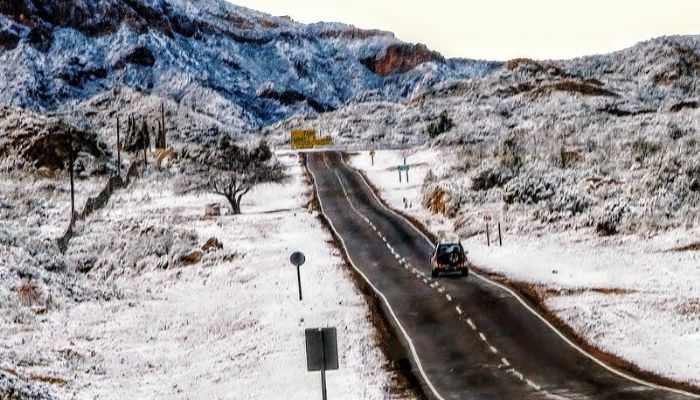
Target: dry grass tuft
28, 293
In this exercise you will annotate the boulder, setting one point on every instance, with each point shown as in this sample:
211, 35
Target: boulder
211, 245
192, 257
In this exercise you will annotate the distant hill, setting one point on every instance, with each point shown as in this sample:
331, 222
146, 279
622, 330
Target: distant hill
230, 68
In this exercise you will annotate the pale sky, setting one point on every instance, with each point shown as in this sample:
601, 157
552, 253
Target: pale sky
503, 29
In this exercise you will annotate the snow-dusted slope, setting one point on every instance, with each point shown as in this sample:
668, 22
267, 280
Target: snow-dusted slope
236, 65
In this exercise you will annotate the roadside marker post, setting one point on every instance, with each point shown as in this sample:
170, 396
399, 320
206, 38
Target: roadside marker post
371, 154
488, 239
500, 241
297, 259
402, 168
321, 352
487, 218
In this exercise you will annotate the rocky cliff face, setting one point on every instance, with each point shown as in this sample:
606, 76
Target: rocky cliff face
235, 66
401, 58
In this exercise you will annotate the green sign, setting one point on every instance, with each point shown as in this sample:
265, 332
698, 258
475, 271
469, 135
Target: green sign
402, 167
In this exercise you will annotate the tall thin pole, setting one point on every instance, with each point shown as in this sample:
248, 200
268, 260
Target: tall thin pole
299, 281
500, 241
119, 151
488, 239
323, 366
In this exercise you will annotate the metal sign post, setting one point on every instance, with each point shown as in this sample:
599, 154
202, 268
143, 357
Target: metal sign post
297, 259
321, 352
401, 168
371, 154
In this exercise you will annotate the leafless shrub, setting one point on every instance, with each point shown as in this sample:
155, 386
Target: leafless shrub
28, 293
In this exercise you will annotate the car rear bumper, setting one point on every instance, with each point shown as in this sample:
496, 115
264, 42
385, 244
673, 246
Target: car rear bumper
451, 269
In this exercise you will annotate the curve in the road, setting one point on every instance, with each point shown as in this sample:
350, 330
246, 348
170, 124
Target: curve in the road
457, 347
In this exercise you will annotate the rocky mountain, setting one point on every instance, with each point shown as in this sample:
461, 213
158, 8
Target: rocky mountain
228, 67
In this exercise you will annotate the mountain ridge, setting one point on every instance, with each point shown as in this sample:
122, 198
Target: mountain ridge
58, 53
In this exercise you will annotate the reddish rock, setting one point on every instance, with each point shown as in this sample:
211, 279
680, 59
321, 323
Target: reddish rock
211, 245
400, 58
192, 258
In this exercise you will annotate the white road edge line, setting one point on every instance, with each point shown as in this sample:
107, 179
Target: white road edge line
384, 299
529, 308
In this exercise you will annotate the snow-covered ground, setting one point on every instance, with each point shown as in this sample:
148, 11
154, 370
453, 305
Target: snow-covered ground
228, 327
630, 296
40, 207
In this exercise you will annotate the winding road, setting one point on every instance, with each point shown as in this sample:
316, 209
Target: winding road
470, 338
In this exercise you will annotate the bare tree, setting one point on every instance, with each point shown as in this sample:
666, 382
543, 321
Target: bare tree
231, 171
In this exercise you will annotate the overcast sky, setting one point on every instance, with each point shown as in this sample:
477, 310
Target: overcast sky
503, 29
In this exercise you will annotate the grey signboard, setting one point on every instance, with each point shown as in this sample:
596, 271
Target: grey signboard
321, 349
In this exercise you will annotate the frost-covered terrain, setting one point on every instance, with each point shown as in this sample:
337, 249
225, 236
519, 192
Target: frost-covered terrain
647, 90
592, 165
232, 67
631, 296
164, 325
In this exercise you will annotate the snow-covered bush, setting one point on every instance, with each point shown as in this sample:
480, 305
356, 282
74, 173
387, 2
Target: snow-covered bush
610, 218
491, 174
443, 124
132, 251
511, 151
565, 203
531, 187
692, 173
642, 148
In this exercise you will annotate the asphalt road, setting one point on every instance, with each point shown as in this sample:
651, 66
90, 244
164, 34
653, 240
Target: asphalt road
470, 338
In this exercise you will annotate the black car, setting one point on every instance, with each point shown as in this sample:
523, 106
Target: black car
449, 257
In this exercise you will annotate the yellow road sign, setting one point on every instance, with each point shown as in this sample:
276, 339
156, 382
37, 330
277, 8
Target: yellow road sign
303, 139
306, 139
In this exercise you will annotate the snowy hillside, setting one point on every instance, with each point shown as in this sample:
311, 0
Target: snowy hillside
122, 316
236, 66
608, 142
651, 88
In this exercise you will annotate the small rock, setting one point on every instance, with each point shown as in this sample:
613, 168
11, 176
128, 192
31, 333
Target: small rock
192, 258
211, 245
212, 210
